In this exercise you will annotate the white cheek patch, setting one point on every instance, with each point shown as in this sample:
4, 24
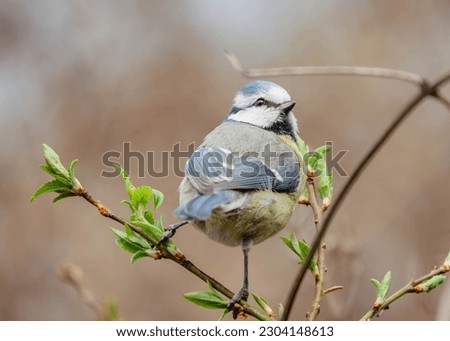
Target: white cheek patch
257, 116
262, 116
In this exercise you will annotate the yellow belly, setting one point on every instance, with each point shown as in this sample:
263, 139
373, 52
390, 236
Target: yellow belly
265, 214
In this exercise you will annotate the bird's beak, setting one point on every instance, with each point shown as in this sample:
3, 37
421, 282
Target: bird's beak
286, 107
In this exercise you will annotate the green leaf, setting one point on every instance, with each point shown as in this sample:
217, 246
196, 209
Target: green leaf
129, 232
50, 154
433, 282
305, 251
138, 255
323, 150
112, 310
317, 161
63, 196
447, 259
325, 187
287, 241
151, 230
211, 288
206, 299
48, 169
131, 244
214, 292
320, 167
51, 186
383, 286
301, 249
263, 304
141, 196
280, 311
129, 204
302, 146
128, 185
159, 223
70, 169
224, 313
127, 246
52, 159
312, 162
375, 282
295, 244
158, 198
148, 215
119, 233
325, 180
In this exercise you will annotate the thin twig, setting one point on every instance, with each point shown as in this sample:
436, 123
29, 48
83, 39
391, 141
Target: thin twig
364, 71
412, 287
179, 258
73, 275
430, 91
331, 289
445, 102
319, 277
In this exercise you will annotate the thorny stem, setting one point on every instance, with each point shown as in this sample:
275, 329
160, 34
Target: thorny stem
411, 287
179, 258
319, 276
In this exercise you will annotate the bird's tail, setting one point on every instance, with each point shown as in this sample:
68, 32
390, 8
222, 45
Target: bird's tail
201, 206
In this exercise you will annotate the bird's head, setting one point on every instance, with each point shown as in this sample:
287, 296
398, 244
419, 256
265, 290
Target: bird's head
266, 105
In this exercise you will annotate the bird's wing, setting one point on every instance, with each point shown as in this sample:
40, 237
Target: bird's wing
212, 169
201, 206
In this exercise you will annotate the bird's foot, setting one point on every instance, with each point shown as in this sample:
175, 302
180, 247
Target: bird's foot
169, 232
234, 305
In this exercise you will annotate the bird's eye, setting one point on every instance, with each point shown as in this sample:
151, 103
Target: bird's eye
259, 102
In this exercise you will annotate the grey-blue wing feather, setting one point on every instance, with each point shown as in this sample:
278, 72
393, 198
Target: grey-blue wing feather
201, 206
212, 169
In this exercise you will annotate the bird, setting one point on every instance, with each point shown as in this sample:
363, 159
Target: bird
242, 183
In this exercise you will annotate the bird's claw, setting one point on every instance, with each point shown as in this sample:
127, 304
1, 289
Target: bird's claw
169, 232
234, 305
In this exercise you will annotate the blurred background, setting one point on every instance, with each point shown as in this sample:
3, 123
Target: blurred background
87, 76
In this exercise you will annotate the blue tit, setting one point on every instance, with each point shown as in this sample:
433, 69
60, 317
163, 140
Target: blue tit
243, 183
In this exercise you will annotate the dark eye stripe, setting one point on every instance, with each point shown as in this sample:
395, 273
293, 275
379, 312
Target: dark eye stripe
235, 110
267, 103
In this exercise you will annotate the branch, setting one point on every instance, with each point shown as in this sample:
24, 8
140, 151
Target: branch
415, 286
66, 185
179, 258
363, 71
73, 276
319, 277
425, 92
445, 102
331, 289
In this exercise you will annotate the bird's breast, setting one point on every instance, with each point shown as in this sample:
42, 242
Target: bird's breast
265, 214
